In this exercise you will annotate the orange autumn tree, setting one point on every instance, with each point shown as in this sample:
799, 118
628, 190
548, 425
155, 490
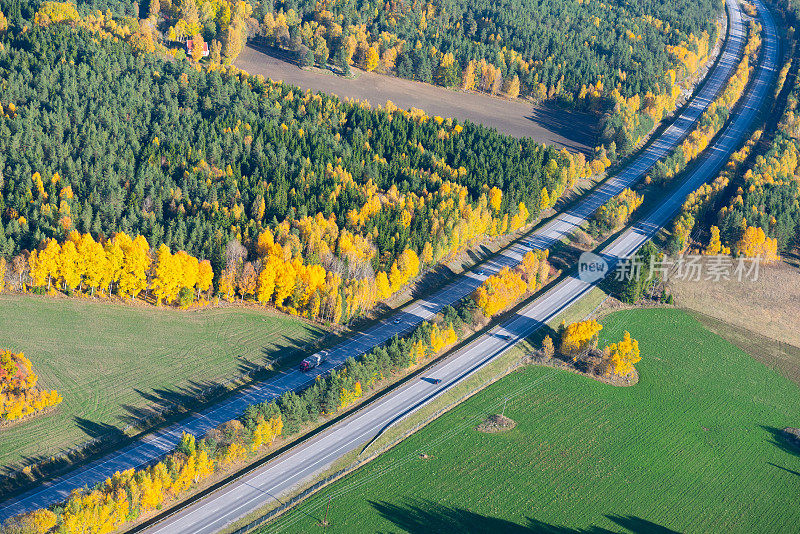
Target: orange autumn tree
19, 396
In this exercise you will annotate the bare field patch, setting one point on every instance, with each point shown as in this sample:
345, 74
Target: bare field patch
769, 305
574, 131
496, 423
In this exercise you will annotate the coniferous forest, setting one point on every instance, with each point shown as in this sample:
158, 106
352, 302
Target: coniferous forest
100, 136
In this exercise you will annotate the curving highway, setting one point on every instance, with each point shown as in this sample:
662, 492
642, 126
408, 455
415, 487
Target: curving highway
253, 490
301, 463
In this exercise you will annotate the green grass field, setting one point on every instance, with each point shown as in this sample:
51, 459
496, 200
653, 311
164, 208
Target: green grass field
109, 361
691, 448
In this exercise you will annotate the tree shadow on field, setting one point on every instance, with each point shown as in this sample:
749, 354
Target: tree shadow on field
194, 393
248, 367
281, 348
273, 352
161, 401
780, 441
578, 129
792, 471
425, 516
97, 430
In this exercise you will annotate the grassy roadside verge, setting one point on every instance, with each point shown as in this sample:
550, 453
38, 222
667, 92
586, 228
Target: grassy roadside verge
119, 366
484, 377
676, 453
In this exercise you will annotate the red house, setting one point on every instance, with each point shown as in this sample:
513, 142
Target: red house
189, 47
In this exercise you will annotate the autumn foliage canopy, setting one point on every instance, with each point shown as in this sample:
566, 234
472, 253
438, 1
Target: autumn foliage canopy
19, 395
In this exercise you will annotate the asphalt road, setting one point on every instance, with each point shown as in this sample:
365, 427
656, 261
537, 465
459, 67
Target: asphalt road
233, 501
266, 483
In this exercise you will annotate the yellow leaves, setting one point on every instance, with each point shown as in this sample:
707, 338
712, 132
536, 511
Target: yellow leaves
754, 243
616, 212
427, 253
348, 397
37, 182
372, 58
511, 87
35, 522
547, 347
711, 121
506, 287
499, 291
132, 278
166, 283
233, 453
438, 339
56, 12
495, 199
266, 431
404, 268
19, 396
621, 357
405, 218
417, 352
153, 487
597, 166
579, 336
468, 76
715, 244
544, 201
520, 218
382, 284
285, 278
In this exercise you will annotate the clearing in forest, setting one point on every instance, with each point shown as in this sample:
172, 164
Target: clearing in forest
546, 123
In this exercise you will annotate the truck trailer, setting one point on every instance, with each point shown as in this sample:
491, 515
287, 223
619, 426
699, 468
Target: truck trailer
314, 360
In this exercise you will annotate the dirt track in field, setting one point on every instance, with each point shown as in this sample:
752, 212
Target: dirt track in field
575, 131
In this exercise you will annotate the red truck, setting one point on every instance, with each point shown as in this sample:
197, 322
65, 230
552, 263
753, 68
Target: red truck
314, 360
